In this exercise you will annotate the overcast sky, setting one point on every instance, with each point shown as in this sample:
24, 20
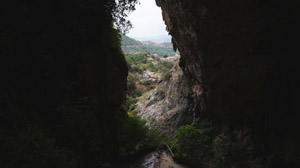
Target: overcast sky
147, 20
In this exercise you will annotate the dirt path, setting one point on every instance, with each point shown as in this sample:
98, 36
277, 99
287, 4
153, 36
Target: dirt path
155, 159
166, 161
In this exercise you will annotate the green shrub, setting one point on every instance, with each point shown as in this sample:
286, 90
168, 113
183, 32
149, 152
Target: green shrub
134, 137
192, 145
131, 136
133, 113
143, 67
137, 68
138, 93
152, 121
154, 138
129, 102
145, 95
139, 63
131, 82
141, 57
151, 66
148, 82
167, 75
199, 145
167, 64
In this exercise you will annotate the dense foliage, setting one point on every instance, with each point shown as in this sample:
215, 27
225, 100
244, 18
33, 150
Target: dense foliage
134, 137
193, 145
140, 63
200, 145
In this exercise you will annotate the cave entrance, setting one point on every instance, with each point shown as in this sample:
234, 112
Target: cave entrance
151, 61
149, 54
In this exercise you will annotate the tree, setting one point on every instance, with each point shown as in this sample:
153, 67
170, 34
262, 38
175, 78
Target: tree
120, 10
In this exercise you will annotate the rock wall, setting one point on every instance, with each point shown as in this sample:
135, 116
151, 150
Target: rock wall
63, 82
171, 104
244, 55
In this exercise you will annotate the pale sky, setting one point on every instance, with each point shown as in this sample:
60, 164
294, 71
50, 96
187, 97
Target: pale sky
147, 20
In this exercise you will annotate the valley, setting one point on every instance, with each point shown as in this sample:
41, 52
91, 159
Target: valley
132, 46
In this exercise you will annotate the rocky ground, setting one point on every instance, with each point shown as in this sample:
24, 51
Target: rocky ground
156, 159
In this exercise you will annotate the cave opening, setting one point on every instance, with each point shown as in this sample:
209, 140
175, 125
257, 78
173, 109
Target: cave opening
149, 54
153, 76
236, 63
231, 100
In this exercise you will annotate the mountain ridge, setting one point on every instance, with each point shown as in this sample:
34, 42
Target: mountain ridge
157, 39
133, 46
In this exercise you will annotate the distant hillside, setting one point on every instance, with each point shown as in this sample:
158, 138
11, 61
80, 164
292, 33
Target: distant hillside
129, 41
130, 45
156, 39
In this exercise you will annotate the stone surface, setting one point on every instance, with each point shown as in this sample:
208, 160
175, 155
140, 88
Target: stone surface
171, 104
244, 56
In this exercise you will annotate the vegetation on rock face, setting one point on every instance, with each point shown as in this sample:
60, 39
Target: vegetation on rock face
134, 137
138, 64
132, 93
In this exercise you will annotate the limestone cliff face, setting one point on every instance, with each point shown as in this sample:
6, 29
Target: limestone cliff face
171, 104
244, 55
